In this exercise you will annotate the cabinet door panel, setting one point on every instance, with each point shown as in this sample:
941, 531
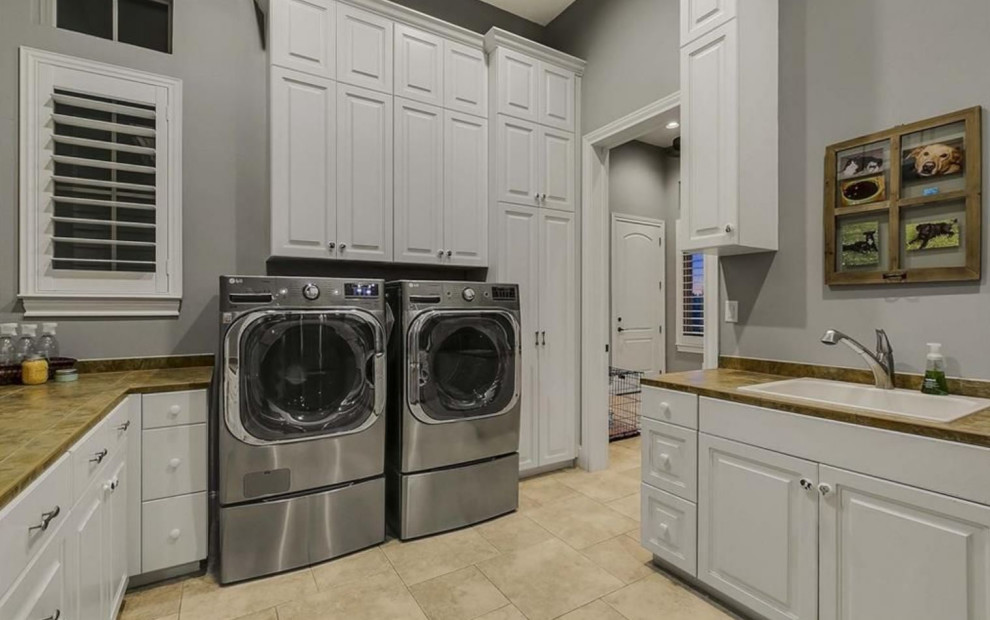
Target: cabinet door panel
558, 300
556, 97
758, 528
517, 241
518, 85
303, 203
364, 174
557, 169
115, 522
518, 173
364, 49
419, 167
419, 71
90, 552
303, 36
43, 590
709, 124
701, 16
465, 79
465, 210
891, 551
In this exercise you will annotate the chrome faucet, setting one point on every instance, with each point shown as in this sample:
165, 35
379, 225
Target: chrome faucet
882, 364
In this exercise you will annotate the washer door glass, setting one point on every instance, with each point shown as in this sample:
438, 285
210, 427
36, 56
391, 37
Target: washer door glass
466, 365
307, 375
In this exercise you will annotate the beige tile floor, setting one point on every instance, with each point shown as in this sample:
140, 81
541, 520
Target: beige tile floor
570, 552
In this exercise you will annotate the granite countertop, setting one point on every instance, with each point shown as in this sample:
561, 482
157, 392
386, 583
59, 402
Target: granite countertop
39, 423
725, 383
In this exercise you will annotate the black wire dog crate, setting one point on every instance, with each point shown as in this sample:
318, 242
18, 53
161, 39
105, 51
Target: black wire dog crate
624, 398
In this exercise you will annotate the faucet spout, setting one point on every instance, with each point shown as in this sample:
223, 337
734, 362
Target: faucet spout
881, 363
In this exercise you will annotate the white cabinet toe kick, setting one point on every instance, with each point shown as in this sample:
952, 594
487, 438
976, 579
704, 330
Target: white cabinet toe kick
792, 517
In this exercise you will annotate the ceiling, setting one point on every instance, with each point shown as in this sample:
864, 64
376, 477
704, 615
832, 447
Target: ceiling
664, 137
540, 11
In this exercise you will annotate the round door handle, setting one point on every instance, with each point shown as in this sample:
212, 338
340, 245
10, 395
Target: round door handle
174, 410
174, 463
174, 534
806, 484
824, 488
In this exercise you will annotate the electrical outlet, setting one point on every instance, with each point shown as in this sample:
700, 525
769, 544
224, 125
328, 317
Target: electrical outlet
731, 311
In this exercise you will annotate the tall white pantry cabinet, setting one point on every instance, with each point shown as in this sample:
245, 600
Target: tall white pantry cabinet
535, 101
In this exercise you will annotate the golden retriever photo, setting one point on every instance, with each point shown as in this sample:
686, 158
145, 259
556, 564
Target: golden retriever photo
936, 160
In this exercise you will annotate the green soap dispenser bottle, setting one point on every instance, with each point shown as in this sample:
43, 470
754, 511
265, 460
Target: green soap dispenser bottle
934, 381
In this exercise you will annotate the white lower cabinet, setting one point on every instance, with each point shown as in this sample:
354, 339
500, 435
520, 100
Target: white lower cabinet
758, 528
892, 551
43, 592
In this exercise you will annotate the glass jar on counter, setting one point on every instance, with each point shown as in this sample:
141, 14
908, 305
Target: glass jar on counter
34, 370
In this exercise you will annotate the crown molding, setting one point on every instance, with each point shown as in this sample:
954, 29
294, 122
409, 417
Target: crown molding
497, 38
420, 20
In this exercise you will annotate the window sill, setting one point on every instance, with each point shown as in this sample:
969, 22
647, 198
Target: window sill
100, 307
683, 347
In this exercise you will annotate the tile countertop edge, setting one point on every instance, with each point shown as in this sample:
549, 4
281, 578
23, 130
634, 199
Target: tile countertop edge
131, 382
724, 384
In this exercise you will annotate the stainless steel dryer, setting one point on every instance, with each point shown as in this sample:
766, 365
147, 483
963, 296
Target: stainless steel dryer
298, 432
453, 430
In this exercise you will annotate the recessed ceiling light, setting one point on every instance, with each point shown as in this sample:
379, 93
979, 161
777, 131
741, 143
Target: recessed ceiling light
673, 125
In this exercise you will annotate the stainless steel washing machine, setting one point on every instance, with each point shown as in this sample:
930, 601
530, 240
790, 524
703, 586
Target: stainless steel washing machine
453, 428
298, 431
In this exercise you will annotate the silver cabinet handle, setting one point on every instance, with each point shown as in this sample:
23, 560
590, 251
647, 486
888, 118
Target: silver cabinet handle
806, 484
439, 253
543, 197
543, 337
54, 616
728, 228
343, 246
99, 456
449, 253
114, 484
536, 196
46, 519
824, 488
123, 427
331, 246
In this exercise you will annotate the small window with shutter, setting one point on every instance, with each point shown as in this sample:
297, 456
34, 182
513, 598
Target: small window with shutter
100, 189
691, 303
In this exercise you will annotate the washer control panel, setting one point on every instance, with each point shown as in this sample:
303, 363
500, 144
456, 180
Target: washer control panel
311, 291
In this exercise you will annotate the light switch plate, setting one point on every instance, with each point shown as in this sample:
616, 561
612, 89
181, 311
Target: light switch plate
731, 311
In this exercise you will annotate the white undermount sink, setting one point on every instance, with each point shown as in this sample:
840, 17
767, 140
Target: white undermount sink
896, 402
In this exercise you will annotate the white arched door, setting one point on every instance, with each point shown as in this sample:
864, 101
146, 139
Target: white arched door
638, 289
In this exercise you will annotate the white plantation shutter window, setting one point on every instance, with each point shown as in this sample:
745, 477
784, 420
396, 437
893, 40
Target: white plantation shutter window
100, 189
691, 302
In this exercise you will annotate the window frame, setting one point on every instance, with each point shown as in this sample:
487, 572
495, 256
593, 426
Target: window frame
117, 297
689, 343
52, 18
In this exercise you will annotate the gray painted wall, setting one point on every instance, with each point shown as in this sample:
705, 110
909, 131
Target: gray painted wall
848, 68
218, 56
632, 51
643, 181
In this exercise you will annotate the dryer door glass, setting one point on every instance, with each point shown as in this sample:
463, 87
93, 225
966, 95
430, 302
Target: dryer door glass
308, 374
466, 365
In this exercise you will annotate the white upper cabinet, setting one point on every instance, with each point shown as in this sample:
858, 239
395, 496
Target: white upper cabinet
728, 120
465, 203
364, 48
465, 79
303, 168
303, 36
892, 551
419, 182
558, 189
518, 79
701, 16
364, 174
556, 97
518, 165
419, 65
758, 528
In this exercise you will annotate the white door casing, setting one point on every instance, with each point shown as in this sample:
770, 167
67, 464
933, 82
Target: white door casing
419, 182
638, 292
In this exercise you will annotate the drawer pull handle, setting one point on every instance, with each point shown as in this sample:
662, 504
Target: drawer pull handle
174, 410
46, 519
123, 427
99, 456
174, 463
54, 616
174, 534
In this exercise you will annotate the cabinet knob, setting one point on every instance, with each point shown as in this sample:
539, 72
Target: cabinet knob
665, 408
728, 228
174, 463
439, 253
174, 410
806, 484
663, 527
824, 488
174, 534
331, 246
543, 197
665, 459
343, 246
449, 253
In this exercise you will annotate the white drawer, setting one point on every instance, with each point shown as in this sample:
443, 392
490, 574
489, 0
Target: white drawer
670, 458
173, 531
669, 528
45, 502
174, 408
173, 461
678, 408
